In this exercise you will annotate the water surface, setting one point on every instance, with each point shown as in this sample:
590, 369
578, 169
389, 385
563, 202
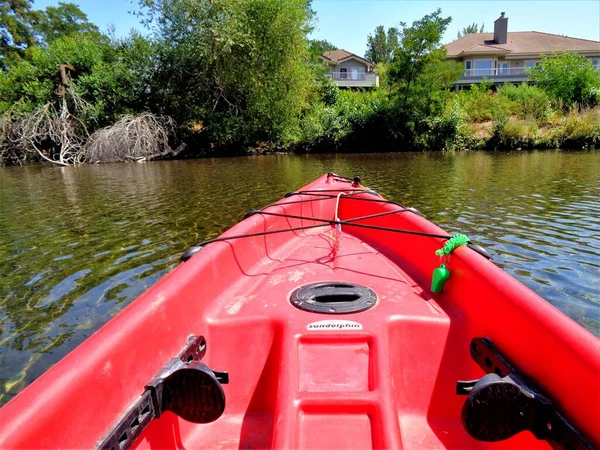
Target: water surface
80, 243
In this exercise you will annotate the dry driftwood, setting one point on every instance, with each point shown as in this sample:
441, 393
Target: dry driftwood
55, 135
132, 138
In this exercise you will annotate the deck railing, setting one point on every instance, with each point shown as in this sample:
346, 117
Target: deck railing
499, 71
361, 76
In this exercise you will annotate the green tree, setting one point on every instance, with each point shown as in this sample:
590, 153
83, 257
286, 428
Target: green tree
473, 28
62, 20
21, 27
15, 33
111, 77
420, 76
235, 69
319, 46
381, 45
392, 42
569, 78
420, 49
377, 46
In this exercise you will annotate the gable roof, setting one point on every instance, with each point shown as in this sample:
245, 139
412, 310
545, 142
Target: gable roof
519, 42
338, 56
484, 48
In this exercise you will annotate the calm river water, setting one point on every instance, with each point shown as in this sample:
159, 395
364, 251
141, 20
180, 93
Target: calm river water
79, 243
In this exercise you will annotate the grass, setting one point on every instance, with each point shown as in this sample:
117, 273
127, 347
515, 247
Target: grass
522, 117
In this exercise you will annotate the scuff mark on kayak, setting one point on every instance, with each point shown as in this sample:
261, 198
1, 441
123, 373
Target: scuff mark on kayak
276, 279
295, 275
236, 304
228, 443
160, 297
157, 302
106, 368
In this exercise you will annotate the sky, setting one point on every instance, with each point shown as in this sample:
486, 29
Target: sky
347, 23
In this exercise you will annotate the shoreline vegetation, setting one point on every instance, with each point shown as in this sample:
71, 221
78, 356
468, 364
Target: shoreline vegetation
231, 77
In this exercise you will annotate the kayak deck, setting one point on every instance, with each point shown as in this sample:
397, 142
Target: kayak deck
385, 377
306, 388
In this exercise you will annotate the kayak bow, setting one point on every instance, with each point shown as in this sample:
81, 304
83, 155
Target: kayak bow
328, 330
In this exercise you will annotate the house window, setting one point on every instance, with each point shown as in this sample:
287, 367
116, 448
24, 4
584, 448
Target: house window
343, 73
531, 64
503, 68
468, 68
483, 67
596, 63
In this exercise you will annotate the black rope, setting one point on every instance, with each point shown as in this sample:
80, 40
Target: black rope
347, 196
319, 198
348, 222
262, 233
307, 200
316, 194
375, 200
355, 191
331, 222
375, 227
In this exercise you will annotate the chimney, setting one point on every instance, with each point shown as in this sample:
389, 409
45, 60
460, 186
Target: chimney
501, 29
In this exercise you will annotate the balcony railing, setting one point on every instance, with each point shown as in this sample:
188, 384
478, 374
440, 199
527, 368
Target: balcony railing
499, 74
349, 79
361, 76
499, 71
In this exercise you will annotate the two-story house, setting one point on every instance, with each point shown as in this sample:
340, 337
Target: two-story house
503, 56
348, 70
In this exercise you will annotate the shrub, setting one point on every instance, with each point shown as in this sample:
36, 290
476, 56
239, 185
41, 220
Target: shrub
519, 133
580, 128
448, 131
348, 123
568, 77
527, 101
481, 104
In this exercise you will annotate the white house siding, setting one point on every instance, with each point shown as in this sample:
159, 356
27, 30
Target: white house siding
348, 65
365, 78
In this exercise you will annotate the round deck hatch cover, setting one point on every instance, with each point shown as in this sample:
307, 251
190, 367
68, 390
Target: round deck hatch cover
333, 297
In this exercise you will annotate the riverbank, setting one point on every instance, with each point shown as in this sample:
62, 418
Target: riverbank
575, 130
84, 96
520, 117
353, 127
457, 130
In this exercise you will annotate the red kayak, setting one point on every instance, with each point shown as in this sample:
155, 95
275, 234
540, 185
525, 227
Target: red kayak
331, 319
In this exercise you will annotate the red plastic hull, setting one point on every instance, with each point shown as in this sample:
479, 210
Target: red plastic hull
389, 384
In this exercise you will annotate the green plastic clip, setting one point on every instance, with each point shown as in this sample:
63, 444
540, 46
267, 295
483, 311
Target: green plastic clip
439, 278
441, 274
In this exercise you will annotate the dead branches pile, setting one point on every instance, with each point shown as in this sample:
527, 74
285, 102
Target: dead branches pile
132, 138
54, 135
61, 138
